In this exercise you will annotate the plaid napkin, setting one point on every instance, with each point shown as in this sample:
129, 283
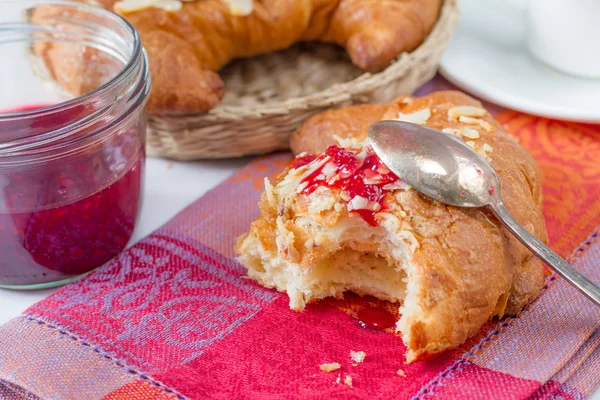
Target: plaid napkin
172, 317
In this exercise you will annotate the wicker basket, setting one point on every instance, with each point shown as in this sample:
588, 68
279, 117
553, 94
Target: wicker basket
269, 96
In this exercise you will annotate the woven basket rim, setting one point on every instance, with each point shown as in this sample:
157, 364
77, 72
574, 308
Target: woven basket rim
336, 93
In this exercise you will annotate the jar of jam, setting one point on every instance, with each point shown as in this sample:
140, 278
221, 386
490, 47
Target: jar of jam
74, 81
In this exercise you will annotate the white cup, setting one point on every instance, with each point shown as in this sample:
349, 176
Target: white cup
565, 34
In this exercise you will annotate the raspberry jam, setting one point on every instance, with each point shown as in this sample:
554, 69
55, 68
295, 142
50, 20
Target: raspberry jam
362, 177
71, 239
376, 318
64, 217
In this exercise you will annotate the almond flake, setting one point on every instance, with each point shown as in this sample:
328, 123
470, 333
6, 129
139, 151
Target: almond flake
470, 143
487, 148
239, 7
358, 203
362, 203
466, 111
397, 185
419, 117
348, 142
301, 187
469, 133
382, 169
329, 367
477, 121
128, 6
401, 373
269, 192
329, 169
315, 165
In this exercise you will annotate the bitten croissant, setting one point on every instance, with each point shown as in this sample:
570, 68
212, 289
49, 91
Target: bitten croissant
189, 42
338, 220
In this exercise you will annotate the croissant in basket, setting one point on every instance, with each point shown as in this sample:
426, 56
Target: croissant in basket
338, 220
188, 42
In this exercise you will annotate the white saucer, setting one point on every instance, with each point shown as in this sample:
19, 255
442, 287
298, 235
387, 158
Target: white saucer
488, 57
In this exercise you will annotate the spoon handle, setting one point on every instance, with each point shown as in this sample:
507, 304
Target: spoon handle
552, 259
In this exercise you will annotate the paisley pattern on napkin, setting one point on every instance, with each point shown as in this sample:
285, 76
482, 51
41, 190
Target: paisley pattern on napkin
173, 317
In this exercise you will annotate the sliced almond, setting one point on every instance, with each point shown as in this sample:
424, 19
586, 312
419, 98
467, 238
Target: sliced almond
397, 185
301, 187
362, 203
329, 170
469, 133
349, 142
239, 7
269, 192
466, 111
358, 203
129, 6
477, 121
419, 117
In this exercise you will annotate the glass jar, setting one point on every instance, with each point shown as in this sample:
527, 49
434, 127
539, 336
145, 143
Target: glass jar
74, 81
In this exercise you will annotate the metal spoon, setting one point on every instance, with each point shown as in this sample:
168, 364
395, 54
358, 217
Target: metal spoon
443, 167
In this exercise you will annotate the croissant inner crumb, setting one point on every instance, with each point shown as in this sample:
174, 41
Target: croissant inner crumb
366, 261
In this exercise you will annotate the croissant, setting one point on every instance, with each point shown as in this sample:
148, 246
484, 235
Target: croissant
189, 42
338, 220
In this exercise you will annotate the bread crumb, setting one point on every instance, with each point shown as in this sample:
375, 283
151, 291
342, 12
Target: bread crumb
338, 379
329, 367
354, 364
358, 356
348, 380
401, 373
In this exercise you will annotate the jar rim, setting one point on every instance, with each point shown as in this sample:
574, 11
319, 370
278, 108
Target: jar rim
136, 63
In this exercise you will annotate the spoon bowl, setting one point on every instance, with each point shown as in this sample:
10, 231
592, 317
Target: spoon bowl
445, 168
460, 177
